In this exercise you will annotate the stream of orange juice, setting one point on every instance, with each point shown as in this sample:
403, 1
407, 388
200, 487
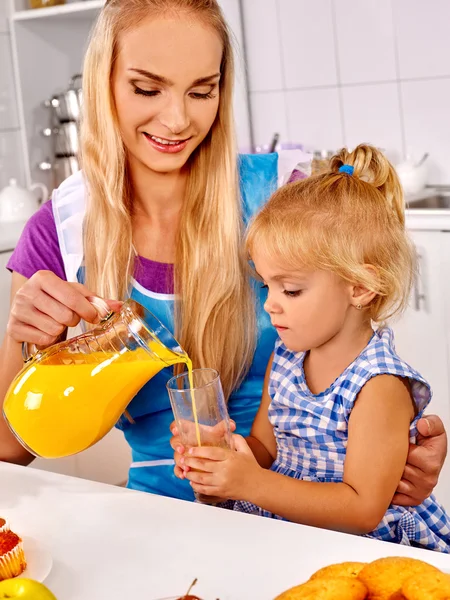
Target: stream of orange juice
194, 406
68, 402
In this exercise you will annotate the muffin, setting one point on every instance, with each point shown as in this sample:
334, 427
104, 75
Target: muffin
12, 558
432, 586
385, 577
328, 588
345, 569
3, 525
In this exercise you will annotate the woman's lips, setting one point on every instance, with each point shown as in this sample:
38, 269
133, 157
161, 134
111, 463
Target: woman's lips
166, 146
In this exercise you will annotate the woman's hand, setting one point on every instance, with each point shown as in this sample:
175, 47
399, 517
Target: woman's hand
181, 468
222, 472
46, 305
424, 463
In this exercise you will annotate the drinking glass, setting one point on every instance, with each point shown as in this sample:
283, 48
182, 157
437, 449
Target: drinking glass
200, 413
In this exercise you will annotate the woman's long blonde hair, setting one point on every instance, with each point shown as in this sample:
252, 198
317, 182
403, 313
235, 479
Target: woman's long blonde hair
342, 223
214, 314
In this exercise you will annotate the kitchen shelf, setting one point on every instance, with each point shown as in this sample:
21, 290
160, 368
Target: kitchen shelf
75, 10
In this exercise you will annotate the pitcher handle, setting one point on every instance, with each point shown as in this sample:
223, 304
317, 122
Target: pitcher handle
102, 308
30, 351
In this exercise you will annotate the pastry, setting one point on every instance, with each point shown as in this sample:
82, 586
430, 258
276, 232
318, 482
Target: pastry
345, 569
330, 588
3, 525
428, 586
12, 558
385, 577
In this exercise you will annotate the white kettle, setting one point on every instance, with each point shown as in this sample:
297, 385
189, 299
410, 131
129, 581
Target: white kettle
19, 204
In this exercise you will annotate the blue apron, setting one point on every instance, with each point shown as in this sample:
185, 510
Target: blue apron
148, 437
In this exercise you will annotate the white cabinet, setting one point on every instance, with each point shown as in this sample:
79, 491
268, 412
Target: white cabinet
5, 292
108, 461
422, 335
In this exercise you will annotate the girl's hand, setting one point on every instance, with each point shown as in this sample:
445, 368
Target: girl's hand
181, 468
424, 463
231, 474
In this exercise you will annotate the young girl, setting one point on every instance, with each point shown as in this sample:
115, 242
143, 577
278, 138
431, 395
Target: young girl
330, 440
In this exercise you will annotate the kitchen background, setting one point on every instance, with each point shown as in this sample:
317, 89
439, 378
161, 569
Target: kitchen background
324, 73
321, 73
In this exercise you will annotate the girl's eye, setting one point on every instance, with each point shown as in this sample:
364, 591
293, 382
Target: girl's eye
292, 294
264, 286
142, 92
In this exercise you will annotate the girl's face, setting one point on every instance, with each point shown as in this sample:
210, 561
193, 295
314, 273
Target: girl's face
166, 90
309, 308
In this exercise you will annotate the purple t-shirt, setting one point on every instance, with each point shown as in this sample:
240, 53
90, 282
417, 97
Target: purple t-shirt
38, 250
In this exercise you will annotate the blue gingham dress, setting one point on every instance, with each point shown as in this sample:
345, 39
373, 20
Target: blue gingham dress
312, 432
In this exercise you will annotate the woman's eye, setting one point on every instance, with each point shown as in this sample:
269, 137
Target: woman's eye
142, 92
198, 96
292, 294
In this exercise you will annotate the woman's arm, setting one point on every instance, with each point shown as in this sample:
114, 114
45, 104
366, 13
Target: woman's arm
42, 308
10, 364
375, 459
424, 463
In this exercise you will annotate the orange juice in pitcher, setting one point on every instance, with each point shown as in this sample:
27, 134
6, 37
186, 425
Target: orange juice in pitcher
72, 394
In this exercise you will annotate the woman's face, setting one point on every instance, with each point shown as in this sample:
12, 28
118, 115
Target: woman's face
166, 89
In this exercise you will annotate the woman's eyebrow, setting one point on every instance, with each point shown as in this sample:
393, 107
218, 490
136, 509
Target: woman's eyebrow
165, 81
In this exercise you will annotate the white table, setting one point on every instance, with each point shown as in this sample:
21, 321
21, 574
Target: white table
110, 543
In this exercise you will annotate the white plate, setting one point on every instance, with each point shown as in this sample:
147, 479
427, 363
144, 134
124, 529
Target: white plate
39, 560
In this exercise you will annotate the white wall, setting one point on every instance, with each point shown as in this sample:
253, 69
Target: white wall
328, 73
10, 156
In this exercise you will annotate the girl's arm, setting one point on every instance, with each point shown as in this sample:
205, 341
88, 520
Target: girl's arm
376, 455
262, 439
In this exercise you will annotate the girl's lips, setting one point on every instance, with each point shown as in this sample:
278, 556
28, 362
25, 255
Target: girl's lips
280, 328
166, 148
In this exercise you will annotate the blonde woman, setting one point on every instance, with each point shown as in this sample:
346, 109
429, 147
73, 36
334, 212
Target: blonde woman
156, 214
331, 436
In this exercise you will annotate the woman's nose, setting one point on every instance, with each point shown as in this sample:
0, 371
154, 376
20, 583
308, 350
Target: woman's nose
175, 116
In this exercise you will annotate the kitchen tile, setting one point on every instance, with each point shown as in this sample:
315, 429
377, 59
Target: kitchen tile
8, 109
268, 116
314, 118
263, 48
427, 124
308, 44
231, 11
11, 163
365, 39
4, 14
423, 37
372, 115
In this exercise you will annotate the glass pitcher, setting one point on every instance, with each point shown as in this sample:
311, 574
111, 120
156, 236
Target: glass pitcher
67, 397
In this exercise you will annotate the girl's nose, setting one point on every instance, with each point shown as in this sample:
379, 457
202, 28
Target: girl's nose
272, 307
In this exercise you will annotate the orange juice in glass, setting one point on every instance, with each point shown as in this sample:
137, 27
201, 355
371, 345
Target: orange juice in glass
201, 413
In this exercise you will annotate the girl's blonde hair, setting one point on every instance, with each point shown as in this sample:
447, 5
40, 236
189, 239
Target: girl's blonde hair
214, 309
342, 223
